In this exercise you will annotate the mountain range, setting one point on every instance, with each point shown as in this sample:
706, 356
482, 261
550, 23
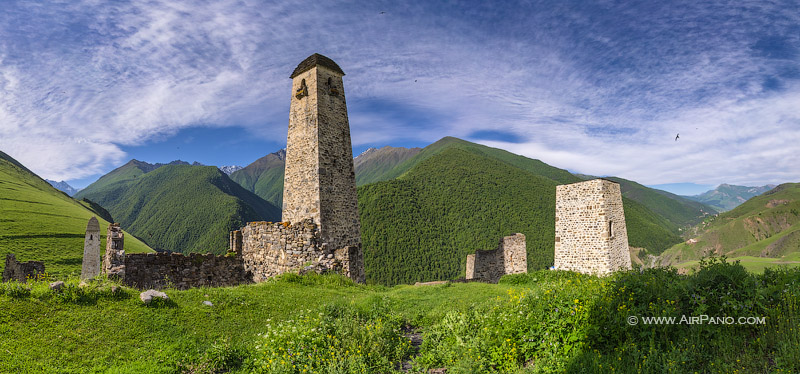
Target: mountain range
176, 206
422, 209
726, 196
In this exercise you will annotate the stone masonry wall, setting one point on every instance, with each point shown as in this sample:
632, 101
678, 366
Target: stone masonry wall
510, 257
159, 270
591, 236
270, 249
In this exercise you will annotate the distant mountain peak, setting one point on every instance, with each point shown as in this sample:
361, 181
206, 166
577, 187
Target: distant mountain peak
228, 169
368, 151
64, 187
728, 196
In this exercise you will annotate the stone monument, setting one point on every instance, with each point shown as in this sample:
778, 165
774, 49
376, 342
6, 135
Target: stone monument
91, 250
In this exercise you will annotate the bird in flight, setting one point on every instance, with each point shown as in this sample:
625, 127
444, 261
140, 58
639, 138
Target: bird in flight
383, 13
677, 137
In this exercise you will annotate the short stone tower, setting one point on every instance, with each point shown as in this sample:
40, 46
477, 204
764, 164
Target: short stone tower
319, 182
510, 257
590, 228
90, 267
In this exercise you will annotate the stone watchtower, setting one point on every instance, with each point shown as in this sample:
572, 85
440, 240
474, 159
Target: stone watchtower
590, 228
319, 182
321, 229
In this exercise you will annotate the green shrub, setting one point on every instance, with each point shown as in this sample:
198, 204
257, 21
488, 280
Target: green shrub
337, 340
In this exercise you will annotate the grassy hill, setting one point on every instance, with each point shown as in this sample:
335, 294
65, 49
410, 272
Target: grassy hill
372, 165
460, 198
726, 196
180, 208
39, 222
264, 177
765, 227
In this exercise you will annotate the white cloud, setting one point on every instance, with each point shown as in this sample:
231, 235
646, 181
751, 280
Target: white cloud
601, 90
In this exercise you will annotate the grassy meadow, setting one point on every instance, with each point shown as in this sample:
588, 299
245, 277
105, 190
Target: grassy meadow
38, 222
541, 322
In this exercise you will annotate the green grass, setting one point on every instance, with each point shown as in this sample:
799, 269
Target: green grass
753, 264
38, 222
545, 321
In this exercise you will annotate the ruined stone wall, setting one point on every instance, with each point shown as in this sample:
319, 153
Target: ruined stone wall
510, 257
21, 271
160, 270
114, 258
591, 236
270, 249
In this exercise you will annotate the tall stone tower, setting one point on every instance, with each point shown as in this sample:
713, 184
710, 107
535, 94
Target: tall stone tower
319, 182
590, 228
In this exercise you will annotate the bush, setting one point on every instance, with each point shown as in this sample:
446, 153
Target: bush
337, 340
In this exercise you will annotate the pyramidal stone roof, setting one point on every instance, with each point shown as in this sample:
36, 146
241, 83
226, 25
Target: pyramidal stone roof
314, 60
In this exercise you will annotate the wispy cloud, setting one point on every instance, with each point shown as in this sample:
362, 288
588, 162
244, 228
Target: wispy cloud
596, 87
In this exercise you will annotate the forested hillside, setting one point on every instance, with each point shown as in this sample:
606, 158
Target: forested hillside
182, 208
421, 226
264, 177
371, 166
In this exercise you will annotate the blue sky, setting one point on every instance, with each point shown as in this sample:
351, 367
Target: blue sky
596, 87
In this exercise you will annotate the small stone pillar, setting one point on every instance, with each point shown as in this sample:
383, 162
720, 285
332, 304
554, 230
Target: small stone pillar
91, 250
235, 242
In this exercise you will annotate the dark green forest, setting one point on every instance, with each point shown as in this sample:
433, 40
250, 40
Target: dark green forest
420, 227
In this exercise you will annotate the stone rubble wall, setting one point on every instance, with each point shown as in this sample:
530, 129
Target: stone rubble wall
270, 249
21, 271
591, 236
160, 270
510, 257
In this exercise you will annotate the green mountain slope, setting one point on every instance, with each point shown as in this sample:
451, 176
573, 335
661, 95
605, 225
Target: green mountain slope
125, 173
39, 222
458, 199
726, 196
182, 208
534, 166
766, 226
264, 177
372, 165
